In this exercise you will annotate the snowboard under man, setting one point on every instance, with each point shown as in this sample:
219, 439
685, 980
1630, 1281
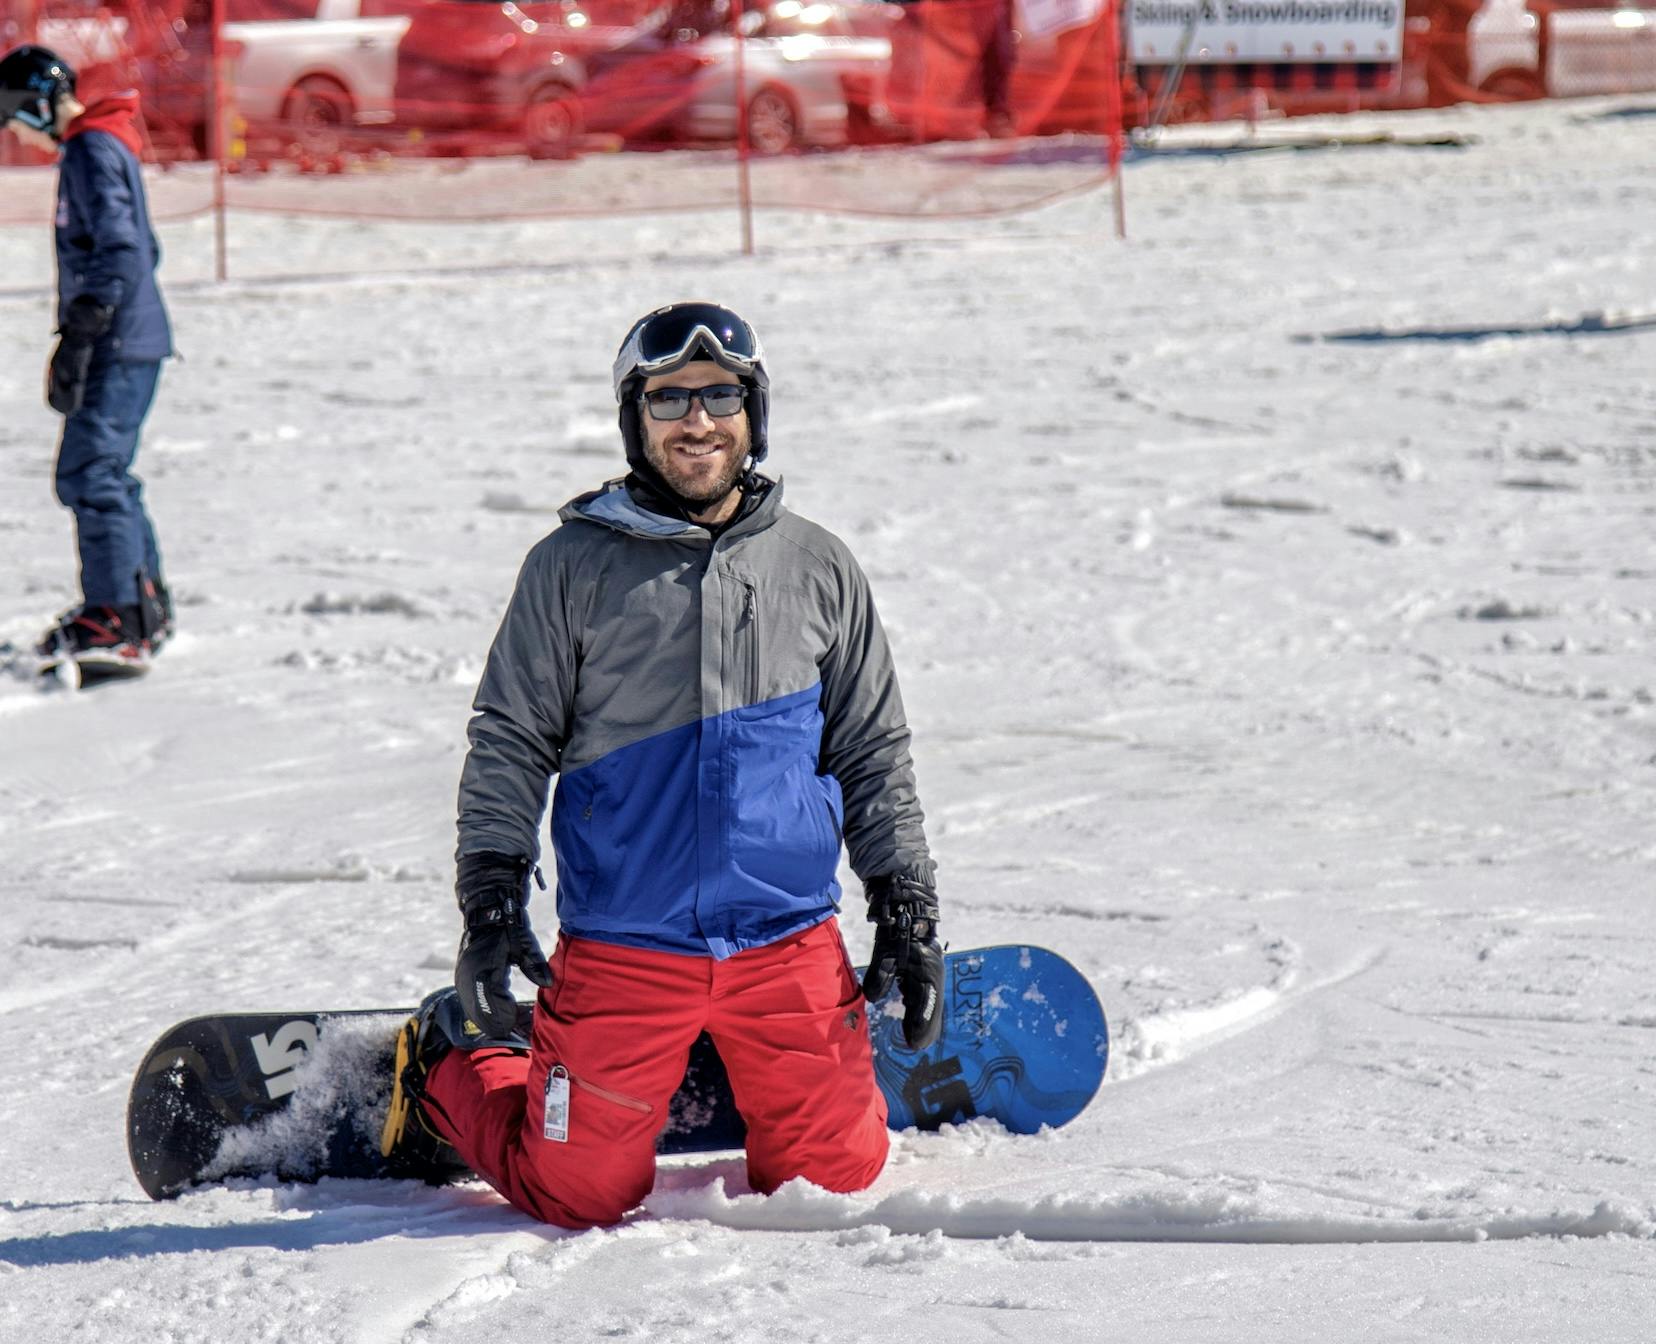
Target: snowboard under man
112, 336
705, 673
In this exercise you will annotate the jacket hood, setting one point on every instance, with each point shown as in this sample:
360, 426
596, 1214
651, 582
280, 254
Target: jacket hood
116, 115
613, 505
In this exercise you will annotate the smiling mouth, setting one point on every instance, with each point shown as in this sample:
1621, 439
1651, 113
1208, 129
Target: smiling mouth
698, 449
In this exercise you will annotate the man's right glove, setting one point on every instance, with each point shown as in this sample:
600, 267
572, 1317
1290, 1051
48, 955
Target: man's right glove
83, 322
493, 890
903, 910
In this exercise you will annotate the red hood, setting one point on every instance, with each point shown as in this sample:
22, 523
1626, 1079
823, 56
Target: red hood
115, 115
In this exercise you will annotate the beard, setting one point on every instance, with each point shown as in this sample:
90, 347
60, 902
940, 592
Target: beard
696, 486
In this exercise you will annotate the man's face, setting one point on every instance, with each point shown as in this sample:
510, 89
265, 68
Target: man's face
699, 456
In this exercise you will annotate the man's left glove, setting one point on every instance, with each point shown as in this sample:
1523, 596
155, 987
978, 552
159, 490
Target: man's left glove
903, 909
83, 322
493, 890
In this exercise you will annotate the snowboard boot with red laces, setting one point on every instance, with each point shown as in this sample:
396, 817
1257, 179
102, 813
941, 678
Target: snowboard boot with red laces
98, 634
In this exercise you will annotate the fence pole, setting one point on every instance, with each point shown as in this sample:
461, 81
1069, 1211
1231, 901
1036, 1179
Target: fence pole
1116, 112
744, 180
218, 143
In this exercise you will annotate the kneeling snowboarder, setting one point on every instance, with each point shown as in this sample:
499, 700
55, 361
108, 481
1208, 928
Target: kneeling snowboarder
706, 674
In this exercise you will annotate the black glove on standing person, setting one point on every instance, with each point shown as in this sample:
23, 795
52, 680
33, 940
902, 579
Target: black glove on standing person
493, 890
85, 321
903, 909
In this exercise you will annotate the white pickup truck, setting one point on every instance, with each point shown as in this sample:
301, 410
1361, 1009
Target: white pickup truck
322, 70
1563, 48
315, 67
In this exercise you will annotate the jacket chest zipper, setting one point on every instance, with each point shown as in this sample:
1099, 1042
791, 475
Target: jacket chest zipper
748, 628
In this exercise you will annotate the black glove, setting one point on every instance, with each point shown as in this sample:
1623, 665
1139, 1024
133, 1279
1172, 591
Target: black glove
903, 909
494, 892
85, 320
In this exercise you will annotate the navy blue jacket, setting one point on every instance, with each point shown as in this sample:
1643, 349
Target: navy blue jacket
105, 245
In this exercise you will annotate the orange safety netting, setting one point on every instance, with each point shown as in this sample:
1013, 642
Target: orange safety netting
462, 109
570, 106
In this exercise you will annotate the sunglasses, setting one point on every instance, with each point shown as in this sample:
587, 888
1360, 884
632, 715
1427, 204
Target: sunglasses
673, 403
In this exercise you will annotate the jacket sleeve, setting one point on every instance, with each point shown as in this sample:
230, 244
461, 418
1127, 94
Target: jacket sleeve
522, 713
114, 265
865, 739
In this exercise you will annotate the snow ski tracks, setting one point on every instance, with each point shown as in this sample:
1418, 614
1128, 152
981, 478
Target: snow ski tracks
1174, 1034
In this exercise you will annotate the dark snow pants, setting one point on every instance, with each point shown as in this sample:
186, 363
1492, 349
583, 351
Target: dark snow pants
94, 478
790, 1023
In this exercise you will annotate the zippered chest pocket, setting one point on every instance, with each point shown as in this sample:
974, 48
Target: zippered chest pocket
749, 659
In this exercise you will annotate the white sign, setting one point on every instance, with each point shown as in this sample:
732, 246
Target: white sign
1223, 32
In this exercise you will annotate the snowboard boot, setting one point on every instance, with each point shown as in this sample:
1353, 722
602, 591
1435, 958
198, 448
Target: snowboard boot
410, 1142
101, 634
155, 608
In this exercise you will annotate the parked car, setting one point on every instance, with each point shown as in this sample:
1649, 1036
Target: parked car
810, 71
814, 73
1563, 48
313, 68
326, 73
485, 68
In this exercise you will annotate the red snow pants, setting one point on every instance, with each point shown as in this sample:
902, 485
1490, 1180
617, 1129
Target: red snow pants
789, 1021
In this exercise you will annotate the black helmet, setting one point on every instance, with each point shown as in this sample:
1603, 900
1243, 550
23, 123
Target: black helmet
671, 337
33, 81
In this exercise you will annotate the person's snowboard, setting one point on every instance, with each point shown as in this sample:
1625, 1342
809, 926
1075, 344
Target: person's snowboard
303, 1095
56, 669
88, 671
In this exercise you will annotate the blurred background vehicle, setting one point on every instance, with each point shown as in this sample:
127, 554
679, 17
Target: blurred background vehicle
484, 68
1563, 48
325, 75
812, 74
316, 69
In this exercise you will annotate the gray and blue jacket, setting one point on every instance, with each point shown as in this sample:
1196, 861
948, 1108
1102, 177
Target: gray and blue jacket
720, 714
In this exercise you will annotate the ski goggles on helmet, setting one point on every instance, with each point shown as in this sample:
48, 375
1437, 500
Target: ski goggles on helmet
670, 337
673, 403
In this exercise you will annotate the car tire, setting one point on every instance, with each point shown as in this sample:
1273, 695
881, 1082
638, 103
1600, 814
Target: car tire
316, 114
772, 122
1513, 86
552, 122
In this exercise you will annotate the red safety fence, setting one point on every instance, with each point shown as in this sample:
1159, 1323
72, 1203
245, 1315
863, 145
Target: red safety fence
567, 106
467, 109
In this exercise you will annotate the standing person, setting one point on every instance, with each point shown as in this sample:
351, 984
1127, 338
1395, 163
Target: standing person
112, 336
706, 674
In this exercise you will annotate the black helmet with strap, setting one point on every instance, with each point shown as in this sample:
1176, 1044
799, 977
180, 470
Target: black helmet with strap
33, 82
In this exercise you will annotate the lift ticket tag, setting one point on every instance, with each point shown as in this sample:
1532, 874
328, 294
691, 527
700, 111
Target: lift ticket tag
556, 1125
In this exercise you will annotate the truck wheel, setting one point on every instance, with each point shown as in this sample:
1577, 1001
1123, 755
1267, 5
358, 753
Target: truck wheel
552, 122
316, 114
773, 122
1513, 86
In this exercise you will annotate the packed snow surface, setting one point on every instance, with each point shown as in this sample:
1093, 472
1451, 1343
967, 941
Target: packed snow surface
1300, 690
